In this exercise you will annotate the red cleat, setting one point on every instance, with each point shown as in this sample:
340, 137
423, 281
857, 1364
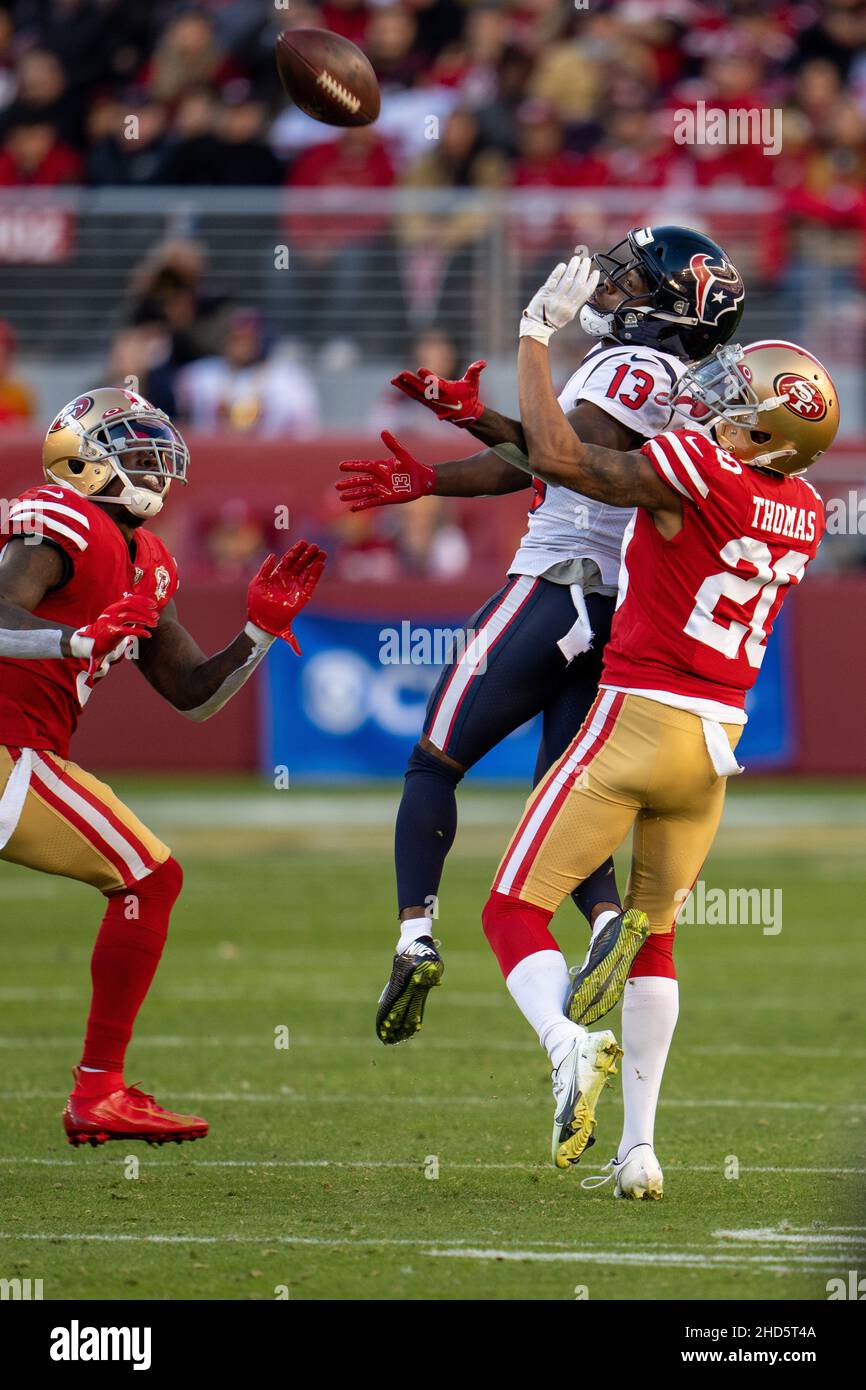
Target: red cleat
122, 1112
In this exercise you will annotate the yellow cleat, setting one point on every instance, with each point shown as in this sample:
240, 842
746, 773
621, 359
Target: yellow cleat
597, 985
577, 1086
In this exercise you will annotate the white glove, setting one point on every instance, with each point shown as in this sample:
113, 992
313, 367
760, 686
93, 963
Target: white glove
561, 297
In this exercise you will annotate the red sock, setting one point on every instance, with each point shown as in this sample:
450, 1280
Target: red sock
124, 962
655, 957
515, 930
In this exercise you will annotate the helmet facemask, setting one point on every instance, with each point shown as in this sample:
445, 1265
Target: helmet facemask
614, 266
720, 388
135, 446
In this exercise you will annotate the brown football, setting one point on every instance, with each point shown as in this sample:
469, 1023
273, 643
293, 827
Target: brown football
328, 77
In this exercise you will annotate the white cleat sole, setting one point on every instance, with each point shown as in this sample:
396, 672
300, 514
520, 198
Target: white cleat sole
592, 1064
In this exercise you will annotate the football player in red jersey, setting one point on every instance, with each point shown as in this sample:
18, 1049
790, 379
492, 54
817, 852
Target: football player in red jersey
724, 527
82, 584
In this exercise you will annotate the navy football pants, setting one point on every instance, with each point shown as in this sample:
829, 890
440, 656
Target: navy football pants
474, 707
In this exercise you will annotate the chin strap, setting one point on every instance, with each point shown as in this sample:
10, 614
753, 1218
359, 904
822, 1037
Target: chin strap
763, 461
141, 501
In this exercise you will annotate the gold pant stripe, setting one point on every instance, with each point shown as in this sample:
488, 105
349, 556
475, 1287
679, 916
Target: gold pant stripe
72, 824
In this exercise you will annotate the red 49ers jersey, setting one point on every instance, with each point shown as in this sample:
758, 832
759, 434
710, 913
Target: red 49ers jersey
40, 701
695, 612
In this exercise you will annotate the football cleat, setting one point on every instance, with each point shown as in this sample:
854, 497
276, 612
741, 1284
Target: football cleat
414, 973
125, 1113
577, 1085
598, 984
638, 1176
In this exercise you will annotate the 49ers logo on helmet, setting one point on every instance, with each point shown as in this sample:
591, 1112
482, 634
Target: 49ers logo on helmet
801, 397
719, 287
72, 412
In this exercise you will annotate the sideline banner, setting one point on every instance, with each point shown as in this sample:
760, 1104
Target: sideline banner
352, 706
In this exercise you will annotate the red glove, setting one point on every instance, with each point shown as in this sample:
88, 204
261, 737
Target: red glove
110, 636
456, 401
383, 482
282, 588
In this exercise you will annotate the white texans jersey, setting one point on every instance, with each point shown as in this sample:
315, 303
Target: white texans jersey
635, 386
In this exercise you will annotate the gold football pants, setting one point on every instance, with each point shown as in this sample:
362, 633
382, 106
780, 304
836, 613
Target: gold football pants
635, 765
72, 824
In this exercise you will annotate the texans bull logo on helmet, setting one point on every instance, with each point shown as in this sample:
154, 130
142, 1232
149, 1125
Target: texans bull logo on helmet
719, 288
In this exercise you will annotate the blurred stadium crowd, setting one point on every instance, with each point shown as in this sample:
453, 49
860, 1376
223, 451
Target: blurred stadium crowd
528, 92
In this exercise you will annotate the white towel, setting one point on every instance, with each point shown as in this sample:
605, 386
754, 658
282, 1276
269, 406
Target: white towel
720, 751
580, 635
14, 796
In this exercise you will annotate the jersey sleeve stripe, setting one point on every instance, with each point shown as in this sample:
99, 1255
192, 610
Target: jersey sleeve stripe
37, 522
43, 505
682, 454
666, 469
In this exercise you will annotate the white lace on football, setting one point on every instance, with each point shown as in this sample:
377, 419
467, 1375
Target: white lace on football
340, 93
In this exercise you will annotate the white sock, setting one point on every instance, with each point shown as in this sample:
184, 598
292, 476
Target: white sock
411, 929
538, 984
650, 1007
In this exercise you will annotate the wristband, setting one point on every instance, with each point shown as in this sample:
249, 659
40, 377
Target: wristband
534, 328
258, 636
81, 645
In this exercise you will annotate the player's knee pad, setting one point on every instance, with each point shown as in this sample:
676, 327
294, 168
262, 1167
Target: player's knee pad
515, 930
420, 760
655, 957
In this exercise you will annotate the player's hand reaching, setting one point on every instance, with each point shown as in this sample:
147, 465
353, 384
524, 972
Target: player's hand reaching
282, 588
384, 482
113, 634
456, 401
561, 297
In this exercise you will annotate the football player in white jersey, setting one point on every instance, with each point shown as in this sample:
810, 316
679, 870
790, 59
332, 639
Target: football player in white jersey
666, 295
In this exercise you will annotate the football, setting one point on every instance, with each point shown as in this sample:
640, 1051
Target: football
328, 77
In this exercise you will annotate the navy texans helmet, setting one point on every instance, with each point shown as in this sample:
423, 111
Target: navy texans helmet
693, 300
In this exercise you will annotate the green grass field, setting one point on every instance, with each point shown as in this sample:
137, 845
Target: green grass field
315, 1176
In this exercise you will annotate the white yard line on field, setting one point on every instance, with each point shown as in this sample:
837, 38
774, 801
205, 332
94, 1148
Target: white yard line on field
770, 1264
414, 1165
286, 1093
191, 1041
796, 1235
698, 1257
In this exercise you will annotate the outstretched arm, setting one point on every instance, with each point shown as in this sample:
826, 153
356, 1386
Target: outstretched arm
558, 455
197, 685
402, 478
503, 467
